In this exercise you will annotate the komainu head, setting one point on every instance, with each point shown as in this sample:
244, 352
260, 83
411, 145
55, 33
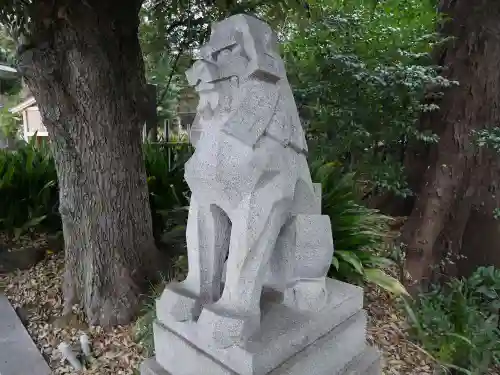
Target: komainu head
240, 46
241, 80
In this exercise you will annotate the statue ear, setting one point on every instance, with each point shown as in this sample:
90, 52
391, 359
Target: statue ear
264, 66
212, 27
239, 39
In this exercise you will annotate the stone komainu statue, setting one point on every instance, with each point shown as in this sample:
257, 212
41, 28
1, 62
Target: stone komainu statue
253, 201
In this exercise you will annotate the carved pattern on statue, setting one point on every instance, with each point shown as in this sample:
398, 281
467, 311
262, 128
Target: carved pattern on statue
253, 201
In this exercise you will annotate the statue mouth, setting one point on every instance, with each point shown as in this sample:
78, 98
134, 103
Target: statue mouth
208, 86
204, 87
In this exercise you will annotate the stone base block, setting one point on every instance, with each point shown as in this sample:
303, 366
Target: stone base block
367, 363
284, 331
341, 352
290, 342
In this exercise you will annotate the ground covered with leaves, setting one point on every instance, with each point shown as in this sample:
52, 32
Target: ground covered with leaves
36, 295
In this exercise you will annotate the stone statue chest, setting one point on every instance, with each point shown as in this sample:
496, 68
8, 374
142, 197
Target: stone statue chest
225, 169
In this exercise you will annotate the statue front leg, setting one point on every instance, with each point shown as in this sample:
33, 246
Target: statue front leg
255, 227
207, 232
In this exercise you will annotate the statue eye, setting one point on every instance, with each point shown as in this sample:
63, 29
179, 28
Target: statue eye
225, 52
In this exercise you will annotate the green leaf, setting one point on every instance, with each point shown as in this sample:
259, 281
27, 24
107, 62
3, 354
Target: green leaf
34, 222
17, 233
488, 292
413, 316
460, 337
352, 259
380, 262
385, 281
335, 263
458, 368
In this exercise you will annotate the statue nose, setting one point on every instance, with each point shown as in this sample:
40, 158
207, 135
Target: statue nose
192, 75
201, 71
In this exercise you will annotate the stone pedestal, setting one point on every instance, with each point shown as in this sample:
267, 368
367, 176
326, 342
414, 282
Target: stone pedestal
328, 342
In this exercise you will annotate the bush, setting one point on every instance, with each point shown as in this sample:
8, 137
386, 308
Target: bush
10, 123
360, 234
457, 324
168, 192
29, 196
360, 73
28, 190
143, 327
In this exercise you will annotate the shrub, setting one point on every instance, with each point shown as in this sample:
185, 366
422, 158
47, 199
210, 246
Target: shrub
360, 234
29, 195
168, 196
143, 328
9, 123
457, 324
28, 190
359, 74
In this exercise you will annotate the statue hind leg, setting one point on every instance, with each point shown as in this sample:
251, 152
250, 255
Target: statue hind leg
236, 316
208, 231
305, 241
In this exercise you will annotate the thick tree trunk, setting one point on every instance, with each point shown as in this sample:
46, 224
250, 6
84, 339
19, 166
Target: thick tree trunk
84, 67
459, 176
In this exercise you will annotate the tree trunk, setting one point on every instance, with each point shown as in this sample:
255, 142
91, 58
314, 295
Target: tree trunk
460, 176
151, 115
84, 66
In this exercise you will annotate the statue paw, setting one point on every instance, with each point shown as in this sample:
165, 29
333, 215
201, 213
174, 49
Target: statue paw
178, 303
307, 295
227, 327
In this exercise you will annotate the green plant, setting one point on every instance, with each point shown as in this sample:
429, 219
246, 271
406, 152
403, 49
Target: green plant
457, 324
360, 73
29, 195
143, 328
167, 192
360, 234
28, 190
10, 123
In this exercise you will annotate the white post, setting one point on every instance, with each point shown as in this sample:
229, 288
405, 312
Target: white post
25, 125
70, 356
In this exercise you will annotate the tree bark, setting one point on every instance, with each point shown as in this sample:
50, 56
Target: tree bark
151, 115
84, 66
459, 177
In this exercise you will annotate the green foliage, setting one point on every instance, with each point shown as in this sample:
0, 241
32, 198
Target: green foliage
167, 191
457, 324
7, 46
143, 327
360, 73
29, 196
360, 234
172, 30
10, 123
28, 189
11, 85
488, 138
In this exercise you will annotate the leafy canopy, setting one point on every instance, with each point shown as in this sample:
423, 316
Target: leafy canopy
360, 73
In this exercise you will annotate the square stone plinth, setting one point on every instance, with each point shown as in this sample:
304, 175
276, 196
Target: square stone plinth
289, 342
337, 353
